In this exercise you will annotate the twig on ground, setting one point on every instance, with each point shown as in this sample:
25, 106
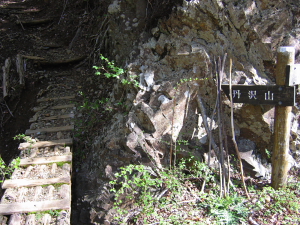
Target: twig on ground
20, 22
65, 5
162, 193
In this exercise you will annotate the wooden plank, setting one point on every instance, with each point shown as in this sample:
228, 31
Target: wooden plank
26, 207
34, 22
30, 183
70, 115
46, 160
66, 116
13, 6
262, 94
42, 144
56, 98
33, 57
27, 11
20, 69
63, 61
63, 106
5, 77
36, 109
50, 129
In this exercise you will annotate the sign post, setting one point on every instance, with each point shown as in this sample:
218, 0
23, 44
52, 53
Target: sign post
285, 56
262, 94
282, 95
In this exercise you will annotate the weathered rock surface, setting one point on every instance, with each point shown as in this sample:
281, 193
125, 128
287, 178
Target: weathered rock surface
174, 63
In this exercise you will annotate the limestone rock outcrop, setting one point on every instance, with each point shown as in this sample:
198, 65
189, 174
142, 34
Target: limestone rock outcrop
174, 63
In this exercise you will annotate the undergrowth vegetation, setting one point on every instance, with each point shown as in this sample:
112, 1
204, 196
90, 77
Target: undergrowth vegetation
177, 196
7, 170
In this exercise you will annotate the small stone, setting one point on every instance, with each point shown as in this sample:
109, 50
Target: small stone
293, 146
33, 126
155, 31
56, 148
155, 87
67, 149
59, 135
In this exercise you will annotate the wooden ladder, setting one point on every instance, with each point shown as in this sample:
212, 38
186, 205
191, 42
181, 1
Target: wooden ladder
39, 191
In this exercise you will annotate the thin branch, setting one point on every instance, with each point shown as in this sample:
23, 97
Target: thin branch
221, 65
171, 149
20, 22
233, 134
65, 5
8, 109
208, 131
207, 128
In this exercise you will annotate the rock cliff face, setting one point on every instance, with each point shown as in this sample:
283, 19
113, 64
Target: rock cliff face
174, 62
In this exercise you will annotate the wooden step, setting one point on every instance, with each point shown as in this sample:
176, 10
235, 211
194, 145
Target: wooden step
66, 116
70, 115
30, 183
50, 129
56, 98
45, 160
13, 6
63, 106
26, 207
36, 109
42, 144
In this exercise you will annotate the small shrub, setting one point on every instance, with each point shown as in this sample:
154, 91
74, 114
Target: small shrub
6, 171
